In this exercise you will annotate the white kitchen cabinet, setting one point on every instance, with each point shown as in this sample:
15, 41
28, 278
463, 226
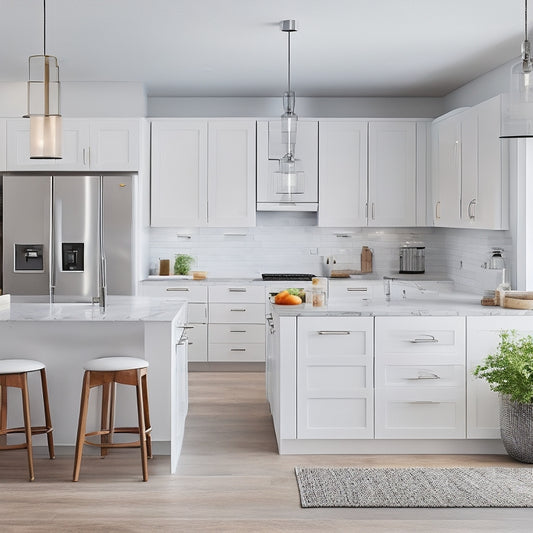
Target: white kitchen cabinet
483, 339
334, 378
419, 377
270, 150
469, 173
372, 173
343, 147
88, 144
196, 296
203, 173
179, 173
231, 173
236, 323
2, 145
392, 173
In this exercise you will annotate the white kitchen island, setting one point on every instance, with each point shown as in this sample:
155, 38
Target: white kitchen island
65, 335
386, 377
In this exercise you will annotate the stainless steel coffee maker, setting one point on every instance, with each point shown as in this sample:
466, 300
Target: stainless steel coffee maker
412, 258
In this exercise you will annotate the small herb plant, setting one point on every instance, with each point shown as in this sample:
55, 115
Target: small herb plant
182, 264
510, 370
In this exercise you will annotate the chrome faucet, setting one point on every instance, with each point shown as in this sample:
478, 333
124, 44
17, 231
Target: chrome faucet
387, 285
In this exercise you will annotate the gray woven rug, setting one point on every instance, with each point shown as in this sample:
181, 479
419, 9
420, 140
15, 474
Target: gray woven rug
415, 487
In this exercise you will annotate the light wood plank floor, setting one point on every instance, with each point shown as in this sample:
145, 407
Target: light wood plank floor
230, 478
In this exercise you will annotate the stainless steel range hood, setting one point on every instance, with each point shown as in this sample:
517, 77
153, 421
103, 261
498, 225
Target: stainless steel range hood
269, 152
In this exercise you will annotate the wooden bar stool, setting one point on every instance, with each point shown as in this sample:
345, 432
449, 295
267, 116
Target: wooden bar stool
107, 371
14, 373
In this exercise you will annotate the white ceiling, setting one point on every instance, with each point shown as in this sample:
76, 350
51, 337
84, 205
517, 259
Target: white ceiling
235, 47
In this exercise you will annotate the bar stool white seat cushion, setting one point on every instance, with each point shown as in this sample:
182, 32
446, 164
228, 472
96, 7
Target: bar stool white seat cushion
111, 364
16, 366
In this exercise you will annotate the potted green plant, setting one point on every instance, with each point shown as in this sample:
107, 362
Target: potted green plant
509, 372
182, 264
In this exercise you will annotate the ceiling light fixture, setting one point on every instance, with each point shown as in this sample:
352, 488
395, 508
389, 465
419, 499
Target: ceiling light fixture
290, 179
46, 130
517, 105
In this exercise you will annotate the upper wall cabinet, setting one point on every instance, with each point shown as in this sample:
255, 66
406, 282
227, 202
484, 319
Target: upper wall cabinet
88, 144
372, 173
469, 169
203, 173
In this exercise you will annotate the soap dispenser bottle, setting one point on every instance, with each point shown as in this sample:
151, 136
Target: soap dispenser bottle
499, 295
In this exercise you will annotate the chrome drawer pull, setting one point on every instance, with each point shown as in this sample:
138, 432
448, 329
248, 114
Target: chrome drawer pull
333, 332
422, 339
428, 375
237, 290
187, 327
357, 289
241, 310
238, 350
175, 289
424, 402
237, 331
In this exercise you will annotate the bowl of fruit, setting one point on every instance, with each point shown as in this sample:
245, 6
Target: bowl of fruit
289, 297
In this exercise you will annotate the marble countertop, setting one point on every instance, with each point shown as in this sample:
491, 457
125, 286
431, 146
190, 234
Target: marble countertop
447, 304
119, 309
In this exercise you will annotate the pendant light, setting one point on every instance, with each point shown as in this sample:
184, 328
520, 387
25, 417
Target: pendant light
46, 130
290, 180
517, 105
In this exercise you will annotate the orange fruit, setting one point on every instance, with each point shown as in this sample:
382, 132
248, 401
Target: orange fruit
292, 299
280, 297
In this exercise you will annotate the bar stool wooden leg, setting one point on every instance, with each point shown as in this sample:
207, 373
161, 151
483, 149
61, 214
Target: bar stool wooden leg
104, 418
82, 422
142, 427
27, 422
148, 424
47, 418
3, 414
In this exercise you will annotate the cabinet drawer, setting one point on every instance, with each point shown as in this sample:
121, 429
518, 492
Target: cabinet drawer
236, 352
237, 312
353, 291
197, 336
421, 337
240, 333
419, 376
237, 293
192, 293
422, 414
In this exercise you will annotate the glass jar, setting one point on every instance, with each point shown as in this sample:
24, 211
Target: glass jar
319, 292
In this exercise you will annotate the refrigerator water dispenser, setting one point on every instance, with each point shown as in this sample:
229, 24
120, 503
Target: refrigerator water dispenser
72, 256
28, 257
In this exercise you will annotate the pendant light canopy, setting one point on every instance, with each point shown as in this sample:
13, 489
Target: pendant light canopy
517, 105
46, 130
290, 180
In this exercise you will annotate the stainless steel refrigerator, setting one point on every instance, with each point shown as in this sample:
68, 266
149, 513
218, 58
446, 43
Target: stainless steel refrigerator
59, 231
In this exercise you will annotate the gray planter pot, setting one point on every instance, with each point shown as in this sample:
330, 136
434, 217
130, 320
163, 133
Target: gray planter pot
516, 423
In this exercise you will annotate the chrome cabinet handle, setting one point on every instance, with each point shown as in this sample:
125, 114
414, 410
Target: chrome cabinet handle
237, 331
424, 402
238, 350
237, 289
333, 332
357, 289
426, 375
240, 310
177, 289
373, 211
472, 209
187, 327
437, 210
425, 338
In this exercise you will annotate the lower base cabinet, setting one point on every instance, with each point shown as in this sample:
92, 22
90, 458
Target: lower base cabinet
335, 378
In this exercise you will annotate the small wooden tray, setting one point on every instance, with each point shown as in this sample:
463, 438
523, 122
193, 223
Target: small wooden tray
518, 300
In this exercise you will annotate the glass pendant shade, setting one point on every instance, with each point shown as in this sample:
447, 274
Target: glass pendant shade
517, 104
289, 178
46, 136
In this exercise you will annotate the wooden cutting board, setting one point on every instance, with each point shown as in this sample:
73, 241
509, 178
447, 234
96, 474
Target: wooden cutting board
518, 300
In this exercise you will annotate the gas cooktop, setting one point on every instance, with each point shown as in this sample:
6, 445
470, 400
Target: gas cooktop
288, 277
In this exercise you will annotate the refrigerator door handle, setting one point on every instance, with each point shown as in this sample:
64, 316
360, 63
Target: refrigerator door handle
51, 247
